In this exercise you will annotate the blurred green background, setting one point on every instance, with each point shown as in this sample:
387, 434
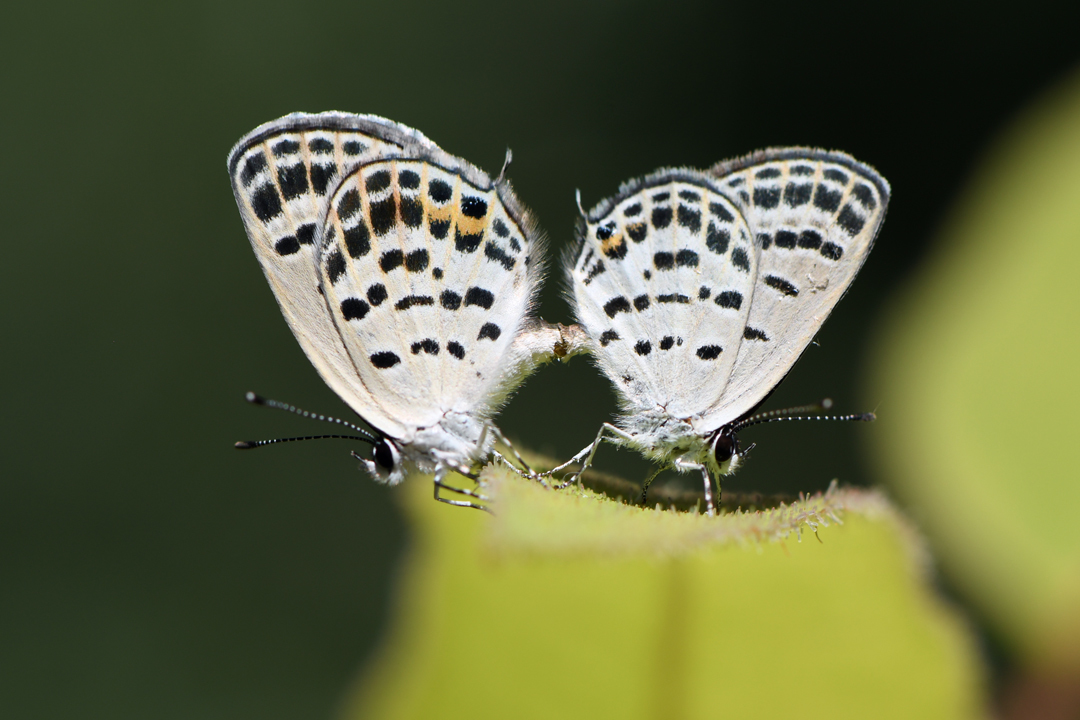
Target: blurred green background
149, 570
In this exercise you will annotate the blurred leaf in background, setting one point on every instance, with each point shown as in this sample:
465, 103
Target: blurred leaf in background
571, 605
976, 379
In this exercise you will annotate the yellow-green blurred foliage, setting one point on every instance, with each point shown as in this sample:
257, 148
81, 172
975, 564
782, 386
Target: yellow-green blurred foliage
566, 604
977, 382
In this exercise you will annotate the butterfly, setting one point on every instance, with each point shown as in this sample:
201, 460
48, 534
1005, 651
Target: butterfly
407, 275
698, 291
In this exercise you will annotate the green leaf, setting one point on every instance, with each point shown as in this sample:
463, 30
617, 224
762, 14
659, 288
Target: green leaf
568, 604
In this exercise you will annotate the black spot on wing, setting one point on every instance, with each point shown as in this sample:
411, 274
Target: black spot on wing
376, 294
454, 348
440, 191
500, 228
637, 231
335, 266
384, 360
377, 181
767, 173
354, 308
864, 195
255, 164
320, 177
439, 228
686, 258
293, 180
661, 197
496, 254
450, 300
417, 260
709, 352
750, 333
608, 337
785, 239
411, 301
673, 298
661, 217
689, 196
357, 240
796, 194
836, 176
850, 221
643, 347
473, 207
266, 202
595, 270
352, 147
409, 179
663, 261
632, 210
641, 302
778, 283
764, 240
826, 199
729, 299
766, 198
286, 147
383, 214
802, 170
391, 260
305, 234
436, 273
704, 292
717, 239
667, 342
479, 297
320, 146
427, 345
467, 242
489, 331
721, 212
412, 211
348, 205
809, 240
832, 251
616, 251
689, 218
740, 259
616, 305
287, 245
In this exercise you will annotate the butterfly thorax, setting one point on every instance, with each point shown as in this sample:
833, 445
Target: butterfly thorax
458, 440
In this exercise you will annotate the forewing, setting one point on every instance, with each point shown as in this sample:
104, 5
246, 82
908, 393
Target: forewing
424, 265
663, 282
283, 174
814, 215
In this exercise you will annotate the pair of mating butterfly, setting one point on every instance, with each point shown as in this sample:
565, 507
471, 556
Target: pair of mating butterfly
409, 278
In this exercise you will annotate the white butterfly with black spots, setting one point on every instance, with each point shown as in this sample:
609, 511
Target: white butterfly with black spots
698, 291
407, 275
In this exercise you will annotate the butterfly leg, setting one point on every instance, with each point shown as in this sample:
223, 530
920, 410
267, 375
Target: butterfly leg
648, 482
588, 452
710, 504
529, 472
440, 484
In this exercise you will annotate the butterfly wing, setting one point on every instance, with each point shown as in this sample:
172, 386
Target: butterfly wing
663, 280
283, 174
814, 215
427, 269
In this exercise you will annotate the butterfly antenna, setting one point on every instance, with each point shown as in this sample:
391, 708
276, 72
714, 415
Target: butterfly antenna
506, 166
249, 444
254, 399
801, 413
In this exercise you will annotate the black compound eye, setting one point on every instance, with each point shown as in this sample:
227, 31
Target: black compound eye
724, 447
384, 456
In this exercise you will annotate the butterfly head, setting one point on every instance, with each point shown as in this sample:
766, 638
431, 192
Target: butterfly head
725, 450
385, 464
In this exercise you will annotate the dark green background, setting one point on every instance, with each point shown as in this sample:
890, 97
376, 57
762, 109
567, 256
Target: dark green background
149, 570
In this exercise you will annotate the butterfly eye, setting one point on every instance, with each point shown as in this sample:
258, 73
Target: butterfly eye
384, 456
724, 447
